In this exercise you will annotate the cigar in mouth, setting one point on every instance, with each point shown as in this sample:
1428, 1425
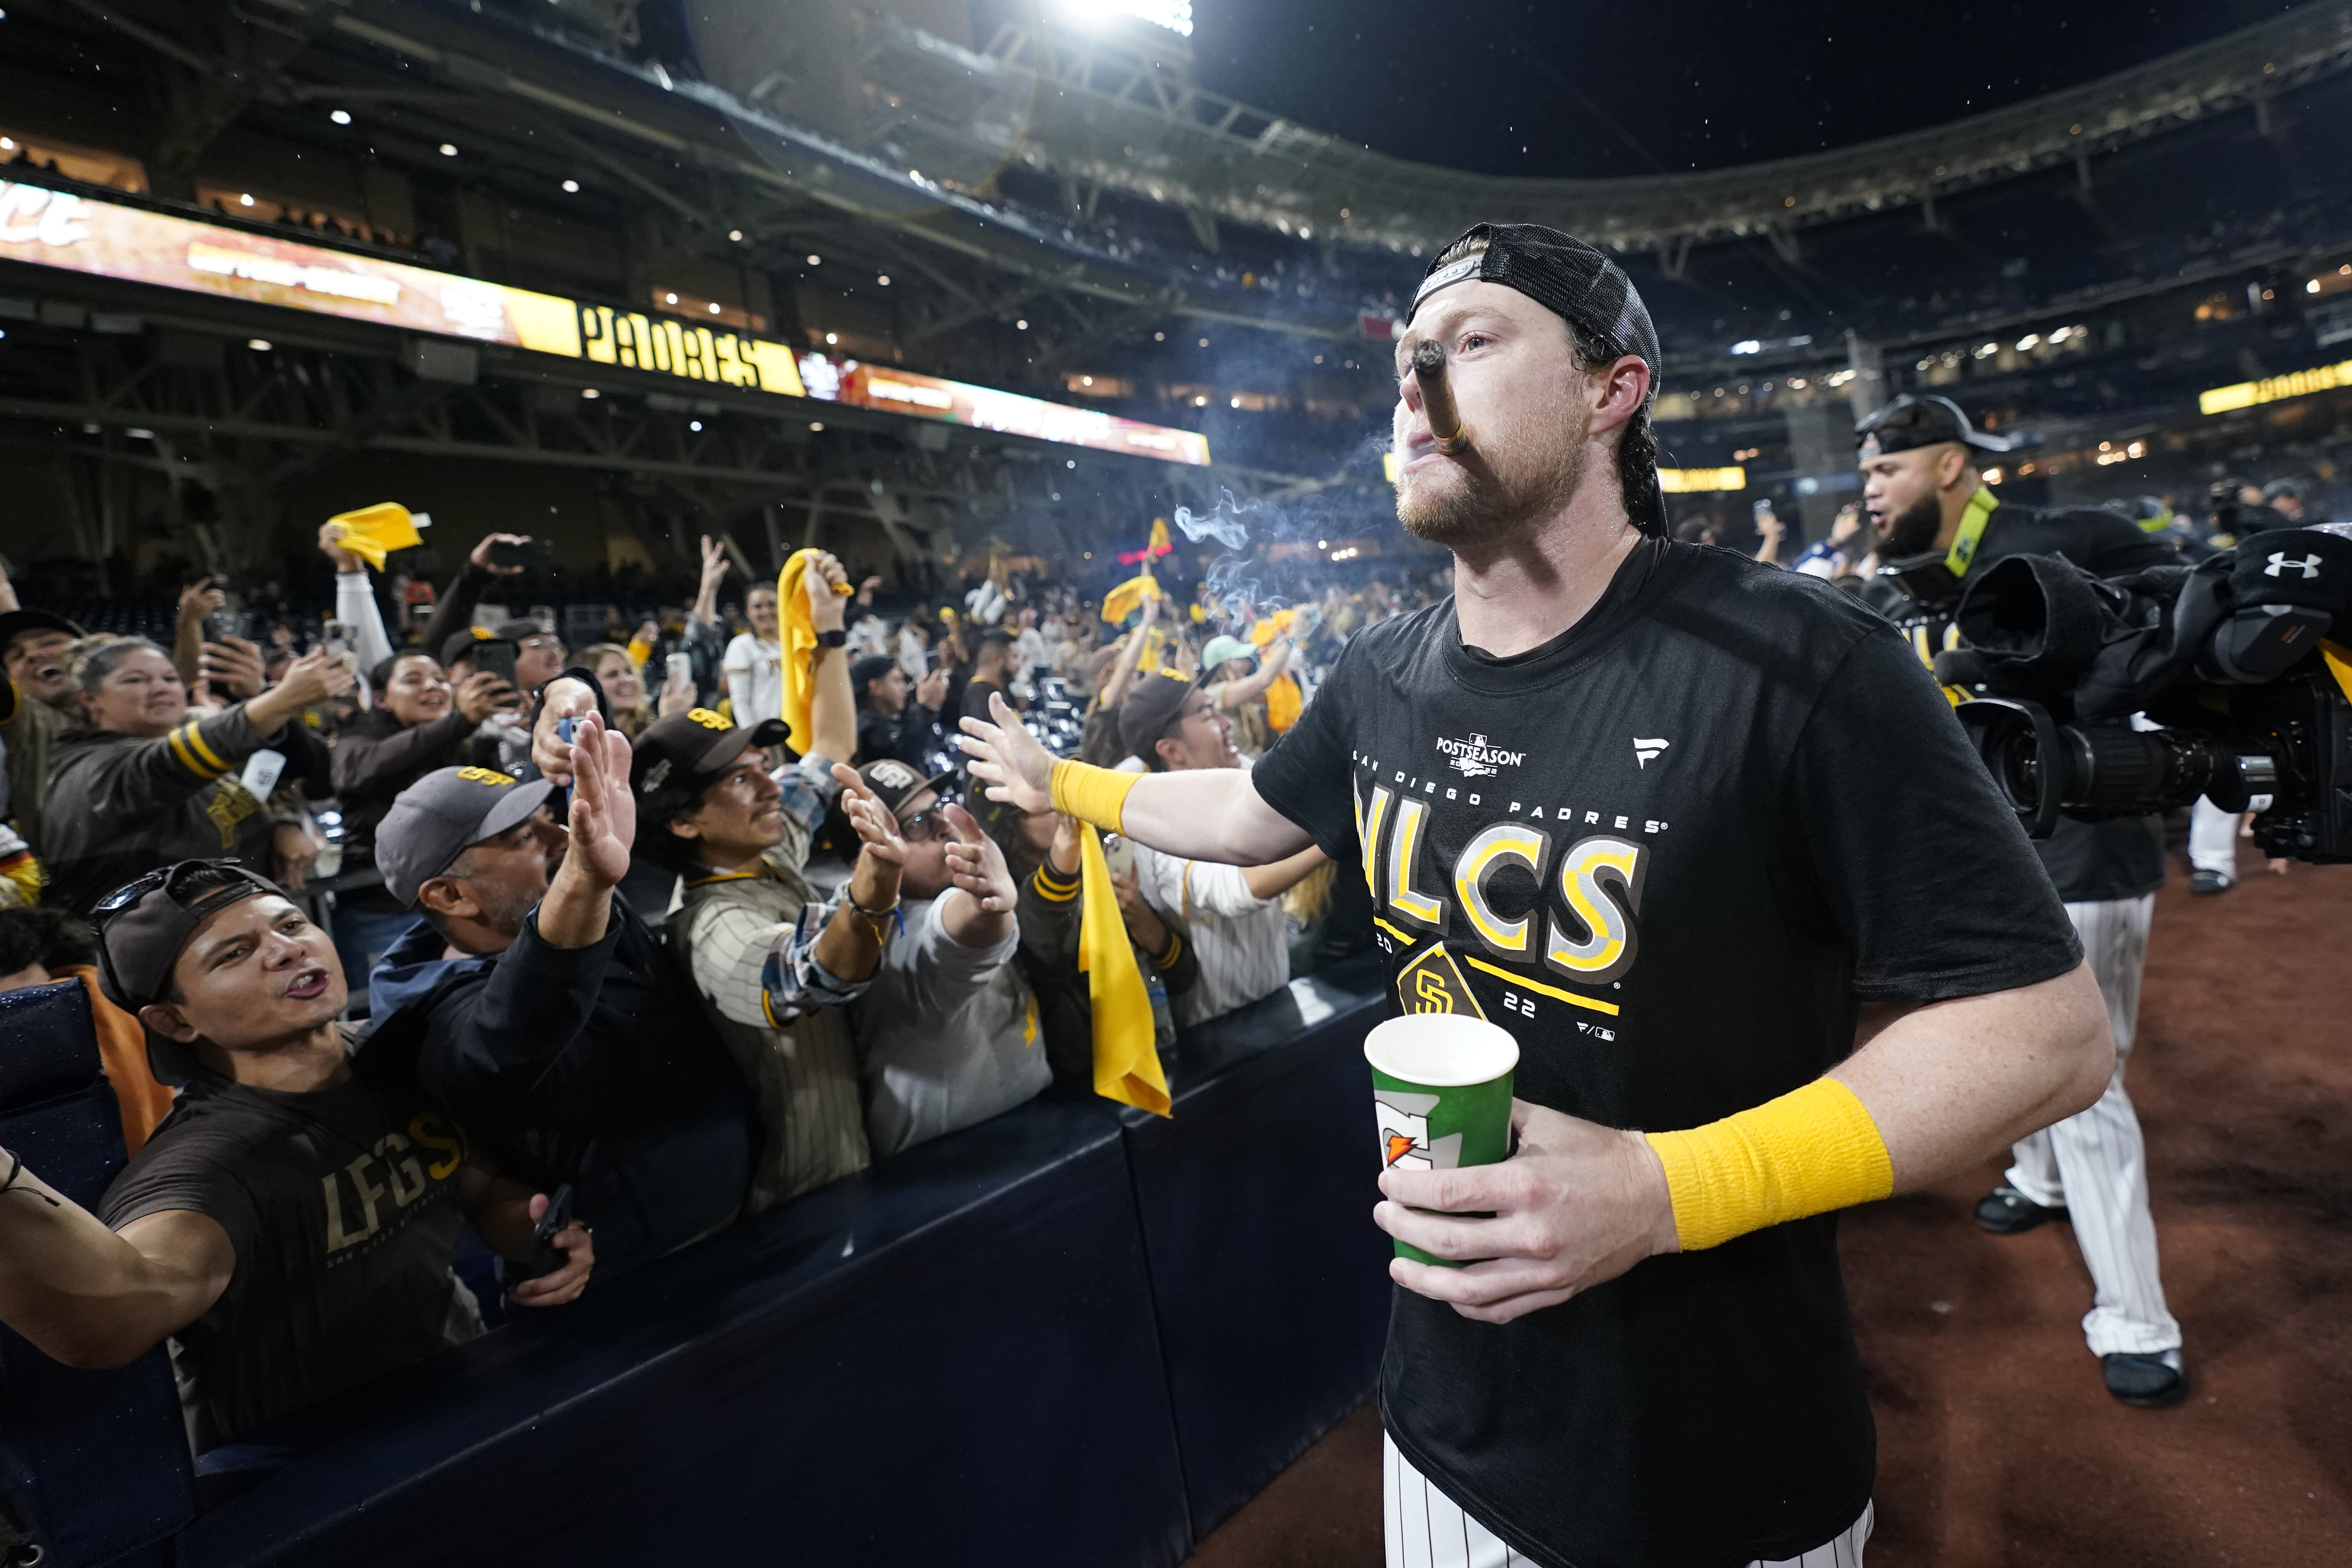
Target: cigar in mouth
1437, 398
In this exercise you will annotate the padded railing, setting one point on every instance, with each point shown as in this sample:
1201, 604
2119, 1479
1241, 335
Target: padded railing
1068, 1335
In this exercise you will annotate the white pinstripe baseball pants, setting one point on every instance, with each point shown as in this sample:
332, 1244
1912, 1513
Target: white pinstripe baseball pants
2213, 838
1423, 1528
2095, 1164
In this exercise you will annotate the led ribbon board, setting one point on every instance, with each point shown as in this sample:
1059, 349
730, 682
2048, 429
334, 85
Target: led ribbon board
107, 240
2298, 383
898, 391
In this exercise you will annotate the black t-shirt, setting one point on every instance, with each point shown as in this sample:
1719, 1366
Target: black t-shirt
1669, 851
337, 1202
2121, 858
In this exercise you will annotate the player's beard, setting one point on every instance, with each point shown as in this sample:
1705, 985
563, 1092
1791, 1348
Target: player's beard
1520, 473
1910, 531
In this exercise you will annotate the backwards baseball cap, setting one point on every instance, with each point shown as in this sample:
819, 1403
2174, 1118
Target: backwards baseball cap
1573, 279
677, 758
895, 783
864, 672
1151, 707
1916, 419
142, 928
438, 817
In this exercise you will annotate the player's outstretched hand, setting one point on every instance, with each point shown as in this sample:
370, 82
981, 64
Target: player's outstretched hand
1007, 758
1578, 1205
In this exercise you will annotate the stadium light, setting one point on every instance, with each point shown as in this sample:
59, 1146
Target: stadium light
1748, 346
340, 117
1176, 15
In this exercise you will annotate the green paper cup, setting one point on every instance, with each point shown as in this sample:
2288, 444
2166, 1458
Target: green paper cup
1442, 1093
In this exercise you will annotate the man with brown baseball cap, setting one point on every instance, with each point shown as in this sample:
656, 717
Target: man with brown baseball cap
772, 961
291, 1222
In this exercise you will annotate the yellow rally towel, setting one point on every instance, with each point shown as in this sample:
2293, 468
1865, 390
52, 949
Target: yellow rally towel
1126, 1059
1265, 628
373, 533
1284, 703
797, 634
1128, 597
1158, 543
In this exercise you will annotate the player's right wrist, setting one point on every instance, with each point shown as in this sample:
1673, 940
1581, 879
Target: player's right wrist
1090, 793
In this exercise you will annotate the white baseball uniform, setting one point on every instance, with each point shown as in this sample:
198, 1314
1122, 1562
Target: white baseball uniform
1423, 1528
2213, 838
2095, 1164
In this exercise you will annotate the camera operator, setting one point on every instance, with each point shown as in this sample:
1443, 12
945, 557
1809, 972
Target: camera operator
291, 1222
1937, 525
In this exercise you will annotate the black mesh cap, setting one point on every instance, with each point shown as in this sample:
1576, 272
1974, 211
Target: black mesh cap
1573, 279
1562, 274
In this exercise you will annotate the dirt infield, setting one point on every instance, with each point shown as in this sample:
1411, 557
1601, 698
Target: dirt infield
1998, 1446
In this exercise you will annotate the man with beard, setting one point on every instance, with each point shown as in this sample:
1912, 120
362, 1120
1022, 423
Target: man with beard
1707, 840
1938, 525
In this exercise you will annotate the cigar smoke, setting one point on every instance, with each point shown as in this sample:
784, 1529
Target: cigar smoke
1437, 397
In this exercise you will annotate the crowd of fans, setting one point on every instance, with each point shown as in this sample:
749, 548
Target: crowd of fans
585, 954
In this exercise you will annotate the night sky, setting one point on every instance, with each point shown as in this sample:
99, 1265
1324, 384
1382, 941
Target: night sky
1573, 88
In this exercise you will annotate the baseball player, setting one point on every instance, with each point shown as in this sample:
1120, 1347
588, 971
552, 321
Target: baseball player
1707, 839
1938, 524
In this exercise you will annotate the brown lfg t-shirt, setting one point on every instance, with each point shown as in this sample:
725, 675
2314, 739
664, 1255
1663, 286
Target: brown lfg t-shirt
338, 1206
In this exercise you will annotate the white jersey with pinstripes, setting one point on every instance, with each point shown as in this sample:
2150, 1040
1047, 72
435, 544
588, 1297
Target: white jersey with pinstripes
803, 1074
1421, 1526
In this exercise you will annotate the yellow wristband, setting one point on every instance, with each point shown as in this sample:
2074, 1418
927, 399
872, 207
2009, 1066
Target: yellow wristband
1811, 1150
1091, 794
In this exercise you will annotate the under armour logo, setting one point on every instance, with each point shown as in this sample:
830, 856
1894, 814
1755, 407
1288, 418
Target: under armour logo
1646, 752
2280, 566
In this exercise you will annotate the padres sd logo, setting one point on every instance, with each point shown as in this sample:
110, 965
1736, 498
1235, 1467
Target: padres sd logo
1432, 984
707, 719
490, 776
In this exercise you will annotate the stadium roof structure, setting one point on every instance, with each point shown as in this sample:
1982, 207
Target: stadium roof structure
1101, 112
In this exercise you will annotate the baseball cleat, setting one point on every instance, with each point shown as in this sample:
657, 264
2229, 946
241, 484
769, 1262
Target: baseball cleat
2150, 1381
2005, 1211
2205, 884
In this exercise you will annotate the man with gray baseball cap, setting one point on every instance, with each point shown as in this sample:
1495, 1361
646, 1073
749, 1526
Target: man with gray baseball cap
542, 1012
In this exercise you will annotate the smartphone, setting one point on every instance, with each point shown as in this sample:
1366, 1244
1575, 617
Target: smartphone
1118, 854
496, 657
544, 1256
1762, 509
530, 552
224, 624
681, 668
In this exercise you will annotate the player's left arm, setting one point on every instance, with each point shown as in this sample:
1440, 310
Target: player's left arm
1933, 1089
